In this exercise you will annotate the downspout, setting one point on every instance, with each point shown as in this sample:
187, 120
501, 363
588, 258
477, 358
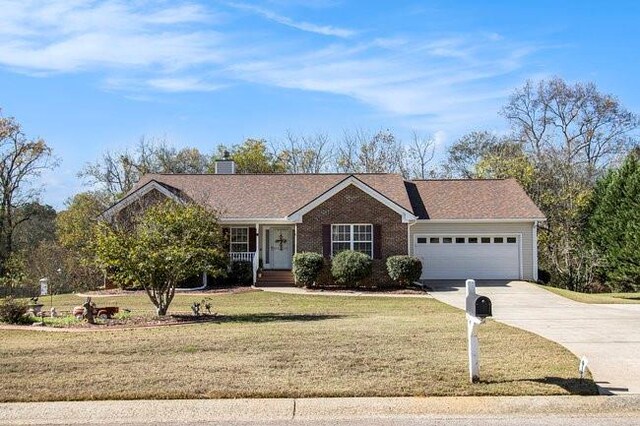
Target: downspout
409, 251
534, 237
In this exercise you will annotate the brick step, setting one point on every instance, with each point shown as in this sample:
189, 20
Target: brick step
270, 284
275, 279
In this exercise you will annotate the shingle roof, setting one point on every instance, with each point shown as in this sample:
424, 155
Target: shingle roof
246, 196
472, 199
266, 196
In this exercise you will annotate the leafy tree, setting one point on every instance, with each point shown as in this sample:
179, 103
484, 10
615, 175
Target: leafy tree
507, 163
475, 147
39, 225
75, 224
252, 156
614, 224
169, 243
66, 269
21, 160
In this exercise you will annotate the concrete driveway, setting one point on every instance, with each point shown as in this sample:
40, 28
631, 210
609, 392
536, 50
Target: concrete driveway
608, 335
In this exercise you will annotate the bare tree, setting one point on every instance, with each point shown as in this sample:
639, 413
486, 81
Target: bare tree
21, 159
306, 153
420, 154
115, 173
576, 123
361, 152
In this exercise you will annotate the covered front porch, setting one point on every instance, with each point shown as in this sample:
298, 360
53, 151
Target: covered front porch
268, 247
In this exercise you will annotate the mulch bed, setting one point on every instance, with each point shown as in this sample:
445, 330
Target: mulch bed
369, 290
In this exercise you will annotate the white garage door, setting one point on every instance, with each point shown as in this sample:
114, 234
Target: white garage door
468, 256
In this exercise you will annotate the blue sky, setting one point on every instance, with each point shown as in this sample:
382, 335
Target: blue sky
90, 75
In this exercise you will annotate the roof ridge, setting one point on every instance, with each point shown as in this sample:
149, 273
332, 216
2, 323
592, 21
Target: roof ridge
273, 174
459, 179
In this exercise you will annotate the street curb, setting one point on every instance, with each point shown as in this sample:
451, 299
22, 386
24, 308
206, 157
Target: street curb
197, 411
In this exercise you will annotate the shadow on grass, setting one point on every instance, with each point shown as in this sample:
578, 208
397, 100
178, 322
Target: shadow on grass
273, 317
574, 386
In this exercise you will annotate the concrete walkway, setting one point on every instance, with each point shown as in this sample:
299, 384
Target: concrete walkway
608, 335
366, 411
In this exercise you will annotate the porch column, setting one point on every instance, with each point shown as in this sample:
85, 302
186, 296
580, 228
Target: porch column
256, 255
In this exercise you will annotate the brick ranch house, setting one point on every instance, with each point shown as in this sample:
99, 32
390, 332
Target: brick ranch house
482, 229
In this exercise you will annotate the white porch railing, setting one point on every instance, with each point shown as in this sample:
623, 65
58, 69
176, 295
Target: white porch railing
246, 257
237, 256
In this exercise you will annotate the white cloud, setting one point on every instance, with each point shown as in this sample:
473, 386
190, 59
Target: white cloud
183, 85
147, 47
415, 78
63, 36
327, 30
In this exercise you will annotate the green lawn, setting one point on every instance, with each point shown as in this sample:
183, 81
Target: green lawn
597, 298
278, 345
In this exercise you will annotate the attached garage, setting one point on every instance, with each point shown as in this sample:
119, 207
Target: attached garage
480, 229
477, 256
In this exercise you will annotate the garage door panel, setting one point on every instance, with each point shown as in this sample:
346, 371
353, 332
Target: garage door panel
469, 260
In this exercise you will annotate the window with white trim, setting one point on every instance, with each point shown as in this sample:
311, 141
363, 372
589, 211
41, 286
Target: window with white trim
352, 237
239, 240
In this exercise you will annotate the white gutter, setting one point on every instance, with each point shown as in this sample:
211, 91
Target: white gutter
538, 219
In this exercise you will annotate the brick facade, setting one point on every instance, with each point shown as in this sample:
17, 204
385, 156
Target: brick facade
352, 205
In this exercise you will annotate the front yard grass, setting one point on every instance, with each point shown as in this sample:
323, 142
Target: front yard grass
595, 298
279, 345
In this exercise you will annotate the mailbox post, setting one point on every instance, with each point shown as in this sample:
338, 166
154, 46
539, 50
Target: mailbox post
477, 309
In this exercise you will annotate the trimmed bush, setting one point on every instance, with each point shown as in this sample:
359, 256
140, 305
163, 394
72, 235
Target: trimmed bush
325, 279
13, 311
404, 269
307, 267
241, 272
349, 267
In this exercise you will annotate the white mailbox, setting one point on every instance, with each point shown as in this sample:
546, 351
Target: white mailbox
478, 308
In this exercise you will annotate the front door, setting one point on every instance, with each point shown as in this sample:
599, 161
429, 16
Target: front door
280, 248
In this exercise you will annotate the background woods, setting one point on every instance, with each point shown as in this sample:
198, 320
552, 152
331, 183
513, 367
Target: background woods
573, 149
